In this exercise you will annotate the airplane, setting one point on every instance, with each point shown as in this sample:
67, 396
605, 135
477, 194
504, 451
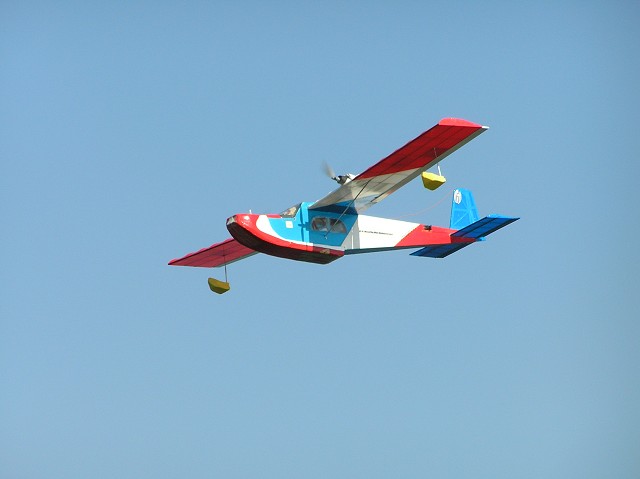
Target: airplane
328, 229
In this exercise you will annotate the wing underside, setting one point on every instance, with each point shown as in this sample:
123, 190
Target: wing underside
219, 254
402, 166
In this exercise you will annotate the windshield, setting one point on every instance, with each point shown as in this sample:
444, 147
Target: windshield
290, 212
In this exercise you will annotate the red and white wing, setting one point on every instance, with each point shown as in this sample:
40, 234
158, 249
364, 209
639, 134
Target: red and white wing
219, 254
402, 166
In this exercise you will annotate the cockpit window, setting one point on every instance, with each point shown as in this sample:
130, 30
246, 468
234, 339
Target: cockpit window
329, 225
320, 224
290, 212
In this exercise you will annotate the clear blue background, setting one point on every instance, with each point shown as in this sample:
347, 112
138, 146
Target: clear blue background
129, 132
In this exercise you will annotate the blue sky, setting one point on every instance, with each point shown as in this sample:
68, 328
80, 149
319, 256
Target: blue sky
129, 131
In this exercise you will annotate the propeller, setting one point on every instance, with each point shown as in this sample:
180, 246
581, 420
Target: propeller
340, 179
328, 170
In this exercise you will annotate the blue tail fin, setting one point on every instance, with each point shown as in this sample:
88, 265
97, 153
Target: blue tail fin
463, 209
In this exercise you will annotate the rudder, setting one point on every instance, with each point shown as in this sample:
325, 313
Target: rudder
463, 209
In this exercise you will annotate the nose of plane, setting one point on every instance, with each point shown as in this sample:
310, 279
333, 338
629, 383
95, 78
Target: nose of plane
244, 229
244, 220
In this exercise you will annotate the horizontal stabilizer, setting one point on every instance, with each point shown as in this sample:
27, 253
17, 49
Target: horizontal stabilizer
475, 231
484, 227
439, 251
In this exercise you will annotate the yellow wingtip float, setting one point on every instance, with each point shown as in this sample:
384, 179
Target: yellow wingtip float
218, 286
432, 181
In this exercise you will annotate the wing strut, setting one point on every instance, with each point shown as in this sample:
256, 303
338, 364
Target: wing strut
346, 208
218, 286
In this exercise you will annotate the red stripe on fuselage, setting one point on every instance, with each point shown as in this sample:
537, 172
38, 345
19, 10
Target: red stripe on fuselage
423, 235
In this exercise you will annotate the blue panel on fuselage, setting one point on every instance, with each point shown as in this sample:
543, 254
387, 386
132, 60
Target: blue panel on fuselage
292, 228
342, 224
299, 228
